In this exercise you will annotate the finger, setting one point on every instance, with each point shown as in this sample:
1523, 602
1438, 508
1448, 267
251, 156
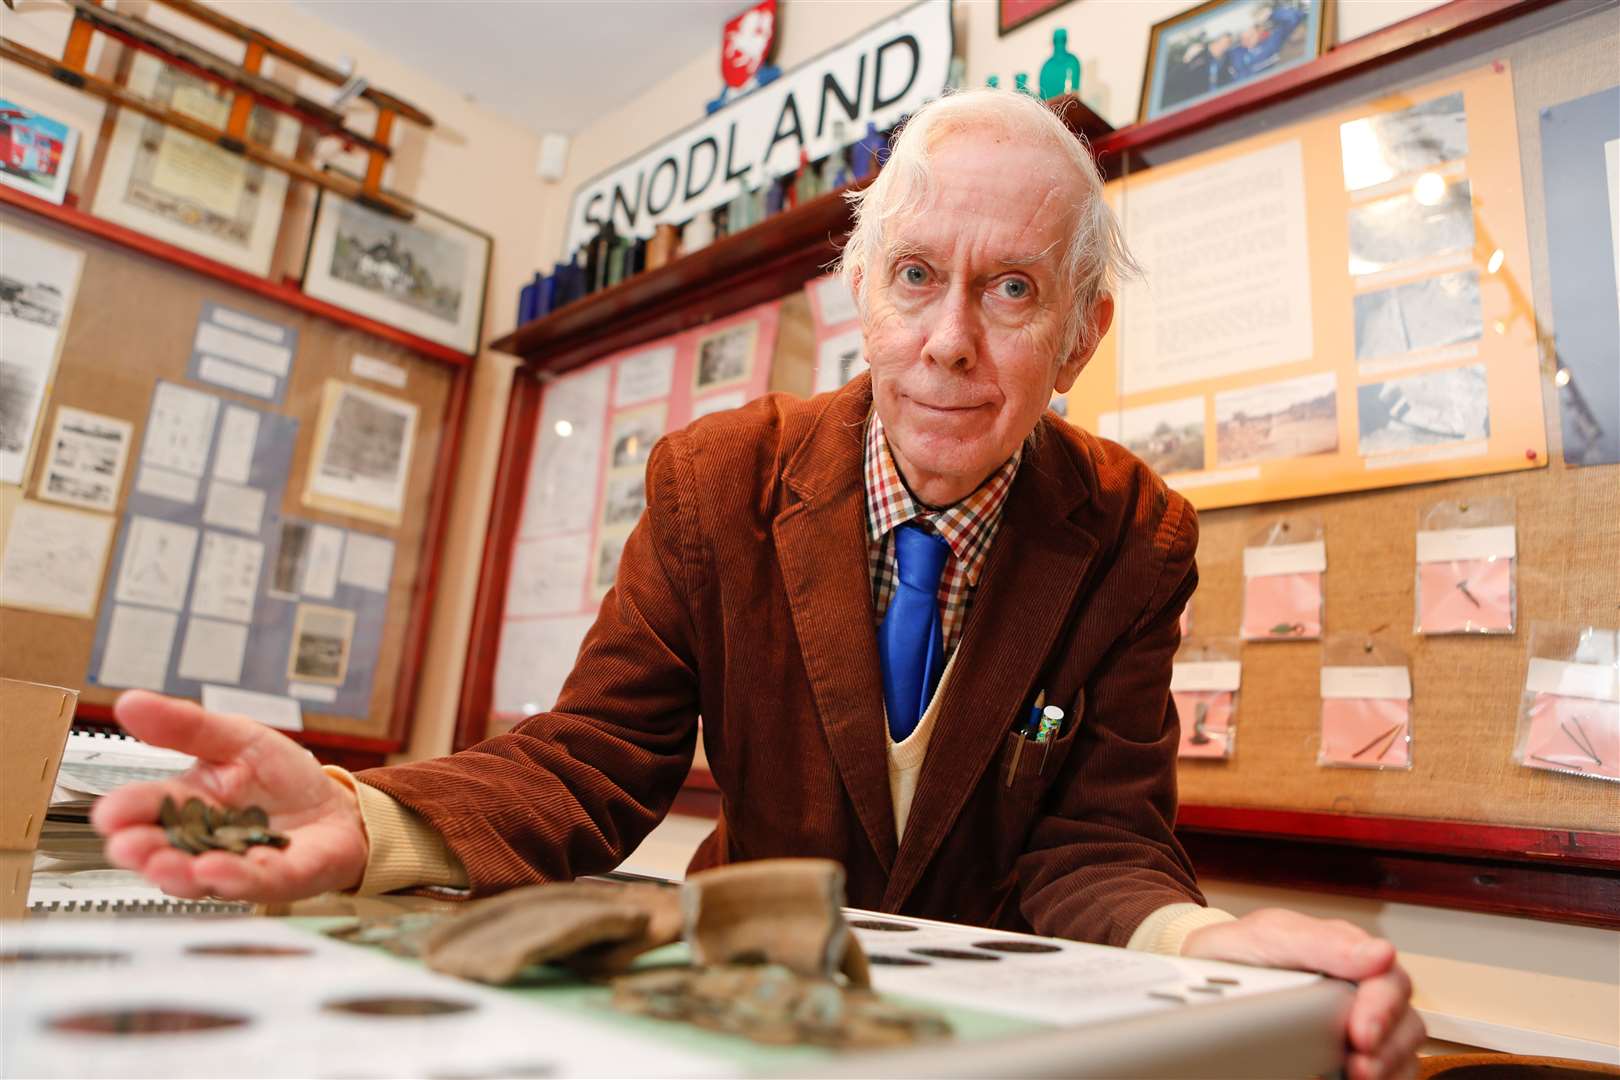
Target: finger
130, 848
170, 870
134, 804
234, 877
1399, 1053
1378, 1006
185, 726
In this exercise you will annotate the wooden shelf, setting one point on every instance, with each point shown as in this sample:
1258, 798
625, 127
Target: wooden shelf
280, 292
1431, 28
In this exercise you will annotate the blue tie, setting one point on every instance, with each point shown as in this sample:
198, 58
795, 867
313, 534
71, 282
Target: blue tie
911, 645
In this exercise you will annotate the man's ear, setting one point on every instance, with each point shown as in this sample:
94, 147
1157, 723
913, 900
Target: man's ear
1098, 320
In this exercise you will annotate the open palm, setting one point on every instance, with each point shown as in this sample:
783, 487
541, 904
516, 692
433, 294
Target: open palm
239, 763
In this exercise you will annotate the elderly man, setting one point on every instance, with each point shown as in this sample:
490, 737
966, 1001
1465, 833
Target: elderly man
864, 595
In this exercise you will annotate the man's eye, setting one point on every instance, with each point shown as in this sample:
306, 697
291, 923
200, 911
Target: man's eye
1015, 288
913, 275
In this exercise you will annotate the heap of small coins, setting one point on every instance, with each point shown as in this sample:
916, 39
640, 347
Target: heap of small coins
769, 1003
197, 827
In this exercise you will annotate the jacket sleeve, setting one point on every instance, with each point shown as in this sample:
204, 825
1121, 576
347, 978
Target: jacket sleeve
1103, 855
573, 791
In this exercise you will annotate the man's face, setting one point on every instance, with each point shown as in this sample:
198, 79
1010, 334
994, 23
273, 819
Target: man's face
1219, 46
966, 309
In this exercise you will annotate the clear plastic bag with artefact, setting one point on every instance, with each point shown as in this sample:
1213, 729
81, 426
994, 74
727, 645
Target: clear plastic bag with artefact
1283, 566
1204, 681
1366, 705
1466, 579
1569, 713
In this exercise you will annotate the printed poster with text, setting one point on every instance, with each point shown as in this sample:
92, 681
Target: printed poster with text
586, 487
1340, 304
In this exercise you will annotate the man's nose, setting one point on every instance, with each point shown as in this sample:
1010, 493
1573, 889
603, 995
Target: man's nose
953, 339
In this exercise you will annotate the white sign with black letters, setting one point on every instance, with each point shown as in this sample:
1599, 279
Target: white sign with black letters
878, 77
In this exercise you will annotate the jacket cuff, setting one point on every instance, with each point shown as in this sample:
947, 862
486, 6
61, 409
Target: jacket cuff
403, 849
1166, 929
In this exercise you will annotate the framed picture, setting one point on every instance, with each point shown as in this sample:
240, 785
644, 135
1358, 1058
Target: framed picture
186, 191
1223, 44
322, 638
36, 152
362, 458
425, 276
725, 357
1011, 14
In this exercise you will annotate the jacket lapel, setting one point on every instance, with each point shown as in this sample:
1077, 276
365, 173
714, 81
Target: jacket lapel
1036, 564
821, 546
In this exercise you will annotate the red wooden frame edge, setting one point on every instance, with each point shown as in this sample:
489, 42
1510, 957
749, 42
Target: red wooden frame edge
285, 294
505, 516
444, 470
1561, 847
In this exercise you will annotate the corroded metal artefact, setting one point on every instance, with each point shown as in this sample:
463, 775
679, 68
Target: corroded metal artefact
197, 827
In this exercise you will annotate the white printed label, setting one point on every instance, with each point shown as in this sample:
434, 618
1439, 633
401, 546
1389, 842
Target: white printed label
1206, 675
1444, 545
1367, 682
1600, 682
324, 694
213, 369
1304, 558
369, 367
277, 712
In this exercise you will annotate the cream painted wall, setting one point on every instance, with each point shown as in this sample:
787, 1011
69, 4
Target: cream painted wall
473, 165
1110, 37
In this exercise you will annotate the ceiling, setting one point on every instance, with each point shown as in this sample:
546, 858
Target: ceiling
548, 65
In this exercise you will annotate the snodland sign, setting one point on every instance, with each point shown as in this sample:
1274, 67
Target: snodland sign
878, 77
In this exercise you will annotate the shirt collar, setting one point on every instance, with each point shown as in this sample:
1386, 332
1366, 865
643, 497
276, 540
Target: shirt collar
967, 526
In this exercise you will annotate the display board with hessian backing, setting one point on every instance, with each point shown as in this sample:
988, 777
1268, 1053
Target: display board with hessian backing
225, 490
1347, 319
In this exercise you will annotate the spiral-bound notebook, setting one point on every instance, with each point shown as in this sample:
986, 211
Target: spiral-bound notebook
71, 876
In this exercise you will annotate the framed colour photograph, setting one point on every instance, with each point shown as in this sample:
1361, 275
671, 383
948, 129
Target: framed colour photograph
36, 152
1223, 44
426, 276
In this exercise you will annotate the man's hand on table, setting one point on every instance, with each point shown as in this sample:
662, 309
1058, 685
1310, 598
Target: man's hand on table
1384, 1031
239, 763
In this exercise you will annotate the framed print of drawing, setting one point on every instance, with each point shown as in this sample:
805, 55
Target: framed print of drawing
362, 457
185, 191
36, 152
425, 276
1223, 44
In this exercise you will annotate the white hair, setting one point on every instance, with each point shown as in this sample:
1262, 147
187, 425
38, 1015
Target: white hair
1096, 258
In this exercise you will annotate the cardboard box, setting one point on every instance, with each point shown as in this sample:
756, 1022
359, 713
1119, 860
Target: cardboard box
34, 722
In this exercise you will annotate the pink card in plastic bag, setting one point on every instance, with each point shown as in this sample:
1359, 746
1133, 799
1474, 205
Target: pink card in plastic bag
1282, 606
1206, 723
1366, 731
1573, 734
1465, 595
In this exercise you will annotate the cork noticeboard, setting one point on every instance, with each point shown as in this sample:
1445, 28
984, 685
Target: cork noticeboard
1467, 688
133, 326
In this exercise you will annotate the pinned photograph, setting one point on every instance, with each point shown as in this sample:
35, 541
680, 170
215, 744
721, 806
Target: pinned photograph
320, 646
425, 276
1436, 408
1221, 45
362, 459
1169, 436
609, 548
633, 435
84, 462
1418, 315
726, 357
287, 572
37, 283
37, 154
1289, 419
1380, 148
623, 500
1435, 218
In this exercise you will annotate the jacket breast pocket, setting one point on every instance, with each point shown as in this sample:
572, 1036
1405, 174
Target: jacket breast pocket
1025, 772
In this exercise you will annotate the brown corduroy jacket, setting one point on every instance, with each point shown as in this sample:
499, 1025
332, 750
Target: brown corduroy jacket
744, 596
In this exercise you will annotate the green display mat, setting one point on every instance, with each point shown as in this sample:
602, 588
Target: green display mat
559, 989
